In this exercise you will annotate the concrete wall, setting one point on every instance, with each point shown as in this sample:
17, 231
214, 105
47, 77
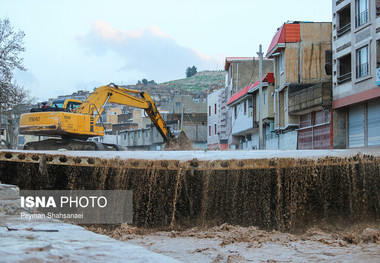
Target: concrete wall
339, 128
316, 39
288, 141
247, 72
305, 100
139, 117
244, 121
112, 115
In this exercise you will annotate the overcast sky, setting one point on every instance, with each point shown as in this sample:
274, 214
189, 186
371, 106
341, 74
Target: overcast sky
82, 44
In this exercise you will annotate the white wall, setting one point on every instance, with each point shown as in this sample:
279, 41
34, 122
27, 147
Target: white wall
242, 122
288, 141
285, 141
212, 99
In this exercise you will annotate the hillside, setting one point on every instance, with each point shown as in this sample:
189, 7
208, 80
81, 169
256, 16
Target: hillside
201, 81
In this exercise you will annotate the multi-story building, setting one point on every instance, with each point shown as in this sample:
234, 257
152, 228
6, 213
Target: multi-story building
149, 138
245, 106
302, 97
184, 103
356, 73
241, 72
216, 120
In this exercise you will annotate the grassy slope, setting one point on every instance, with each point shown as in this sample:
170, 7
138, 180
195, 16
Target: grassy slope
199, 82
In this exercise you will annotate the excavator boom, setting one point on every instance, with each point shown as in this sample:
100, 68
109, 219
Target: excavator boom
82, 122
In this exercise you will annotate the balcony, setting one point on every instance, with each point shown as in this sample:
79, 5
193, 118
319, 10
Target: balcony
344, 78
344, 20
344, 66
344, 29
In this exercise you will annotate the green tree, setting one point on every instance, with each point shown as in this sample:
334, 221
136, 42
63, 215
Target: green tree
11, 45
191, 71
11, 94
144, 81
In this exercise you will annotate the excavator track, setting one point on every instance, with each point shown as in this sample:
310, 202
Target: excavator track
70, 145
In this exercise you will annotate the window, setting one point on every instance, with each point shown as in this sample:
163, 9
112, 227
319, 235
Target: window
362, 62
361, 12
344, 66
209, 130
178, 104
235, 112
215, 129
209, 110
215, 108
344, 21
245, 107
281, 62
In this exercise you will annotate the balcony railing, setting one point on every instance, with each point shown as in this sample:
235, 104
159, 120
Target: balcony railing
378, 11
345, 77
344, 29
362, 18
362, 70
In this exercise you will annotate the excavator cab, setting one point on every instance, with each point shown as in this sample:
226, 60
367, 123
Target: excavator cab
69, 105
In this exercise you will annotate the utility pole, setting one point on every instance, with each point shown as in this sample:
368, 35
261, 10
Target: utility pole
260, 54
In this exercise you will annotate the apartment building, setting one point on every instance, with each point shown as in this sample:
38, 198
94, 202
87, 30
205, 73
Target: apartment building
149, 138
241, 72
356, 73
302, 96
217, 137
245, 106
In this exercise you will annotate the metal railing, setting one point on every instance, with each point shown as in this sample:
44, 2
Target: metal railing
343, 78
362, 18
344, 29
362, 70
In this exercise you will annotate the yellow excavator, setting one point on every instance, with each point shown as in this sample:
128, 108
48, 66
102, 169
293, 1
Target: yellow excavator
75, 122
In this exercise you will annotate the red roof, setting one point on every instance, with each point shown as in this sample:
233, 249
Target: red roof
268, 78
288, 33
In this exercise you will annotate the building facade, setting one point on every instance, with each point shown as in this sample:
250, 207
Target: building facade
246, 110
217, 137
302, 96
356, 73
241, 72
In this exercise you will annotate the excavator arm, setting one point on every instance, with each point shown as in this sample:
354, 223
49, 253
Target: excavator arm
94, 105
77, 125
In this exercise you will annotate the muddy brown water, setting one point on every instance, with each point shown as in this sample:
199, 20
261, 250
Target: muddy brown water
283, 194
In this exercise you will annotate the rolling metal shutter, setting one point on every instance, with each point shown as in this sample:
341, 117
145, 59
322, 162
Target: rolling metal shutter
318, 135
373, 123
356, 126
